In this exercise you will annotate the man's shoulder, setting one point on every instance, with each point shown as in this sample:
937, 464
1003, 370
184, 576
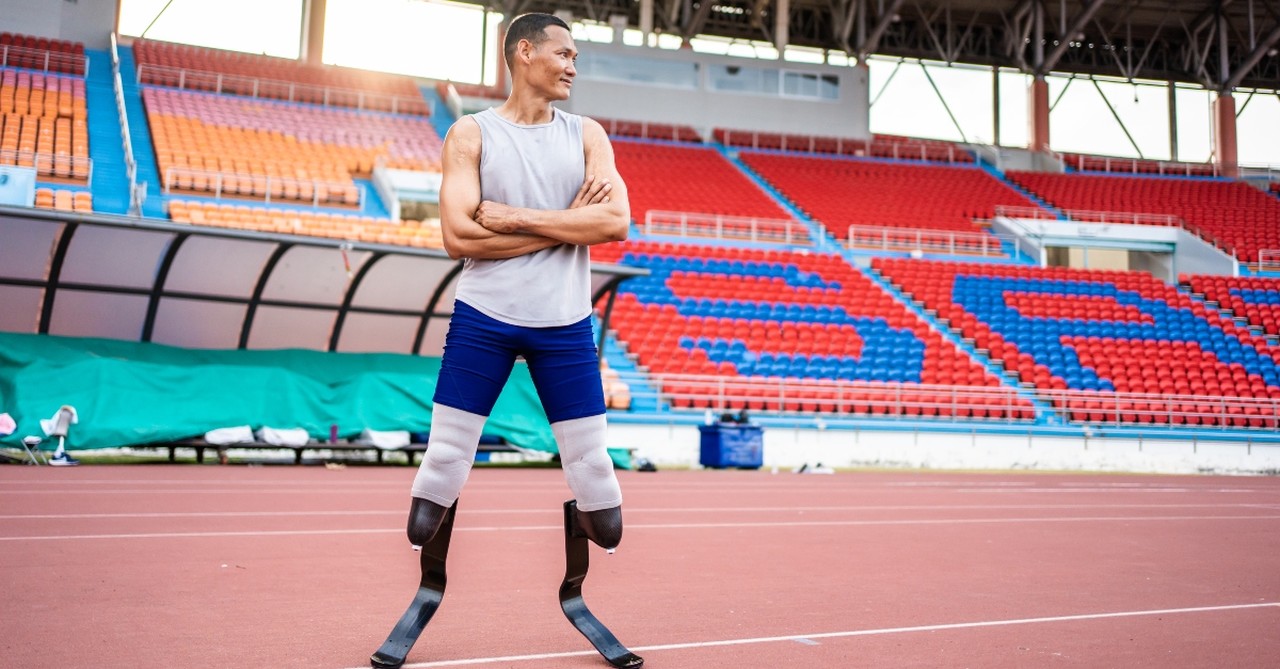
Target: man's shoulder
464, 127
592, 130
463, 134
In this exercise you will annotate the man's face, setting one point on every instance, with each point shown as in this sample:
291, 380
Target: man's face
552, 68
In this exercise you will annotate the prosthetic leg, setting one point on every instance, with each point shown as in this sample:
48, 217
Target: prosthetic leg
577, 560
435, 551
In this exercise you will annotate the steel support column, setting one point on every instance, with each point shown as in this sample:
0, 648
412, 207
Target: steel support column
1224, 135
313, 32
1039, 116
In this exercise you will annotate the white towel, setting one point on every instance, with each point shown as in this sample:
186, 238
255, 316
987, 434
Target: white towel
229, 435
284, 436
385, 440
47, 424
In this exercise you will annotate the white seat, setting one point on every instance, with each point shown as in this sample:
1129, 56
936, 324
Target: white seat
32, 446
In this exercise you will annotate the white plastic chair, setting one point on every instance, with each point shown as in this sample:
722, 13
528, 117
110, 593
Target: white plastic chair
32, 446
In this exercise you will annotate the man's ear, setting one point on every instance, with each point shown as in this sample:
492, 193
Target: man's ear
524, 51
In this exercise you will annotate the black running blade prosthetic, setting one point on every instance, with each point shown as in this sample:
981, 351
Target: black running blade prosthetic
577, 560
395, 649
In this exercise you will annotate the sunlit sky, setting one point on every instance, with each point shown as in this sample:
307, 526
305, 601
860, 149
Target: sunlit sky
444, 40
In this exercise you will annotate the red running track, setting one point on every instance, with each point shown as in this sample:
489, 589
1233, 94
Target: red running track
190, 566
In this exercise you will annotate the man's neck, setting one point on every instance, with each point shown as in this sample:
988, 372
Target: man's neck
525, 108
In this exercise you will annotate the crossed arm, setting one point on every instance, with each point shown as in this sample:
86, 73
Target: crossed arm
492, 231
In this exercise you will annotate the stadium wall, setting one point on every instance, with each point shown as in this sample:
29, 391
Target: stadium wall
87, 21
678, 445
686, 88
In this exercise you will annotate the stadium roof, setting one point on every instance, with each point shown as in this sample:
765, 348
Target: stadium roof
1164, 40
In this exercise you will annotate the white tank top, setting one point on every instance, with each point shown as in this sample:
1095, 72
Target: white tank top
537, 167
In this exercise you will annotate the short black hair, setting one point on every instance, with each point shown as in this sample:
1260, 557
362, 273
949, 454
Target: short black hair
532, 27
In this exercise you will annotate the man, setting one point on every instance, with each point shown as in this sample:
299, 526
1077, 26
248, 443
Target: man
527, 189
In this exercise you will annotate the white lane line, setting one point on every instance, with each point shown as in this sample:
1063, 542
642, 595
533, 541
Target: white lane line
851, 633
650, 526
632, 510
398, 490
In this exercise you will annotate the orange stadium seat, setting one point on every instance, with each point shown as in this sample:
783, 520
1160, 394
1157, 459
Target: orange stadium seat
421, 234
43, 124
223, 145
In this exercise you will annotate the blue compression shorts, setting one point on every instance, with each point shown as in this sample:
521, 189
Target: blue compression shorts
479, 353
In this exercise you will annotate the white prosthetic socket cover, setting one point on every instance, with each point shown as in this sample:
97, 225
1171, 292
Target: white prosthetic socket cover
451, 450
587, 466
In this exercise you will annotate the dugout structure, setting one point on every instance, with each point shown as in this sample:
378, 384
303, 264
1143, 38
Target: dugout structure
165, 331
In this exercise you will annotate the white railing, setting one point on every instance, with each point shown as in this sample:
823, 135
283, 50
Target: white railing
716, 226
1126, 218
1136, 165
235, 84
1034, 213
1087, 216
917, 151
130, 165
789, 395
261, 186
911, 401
1268, 172
919, 239
808, 143
44, 60
646, 130
1091, 407
78, 168
1269, 260
905, 149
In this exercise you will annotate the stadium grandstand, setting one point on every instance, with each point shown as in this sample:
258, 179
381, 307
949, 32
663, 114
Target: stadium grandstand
946, 333
795, 253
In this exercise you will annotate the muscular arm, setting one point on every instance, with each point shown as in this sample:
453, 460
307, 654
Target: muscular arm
460, 200
606, 219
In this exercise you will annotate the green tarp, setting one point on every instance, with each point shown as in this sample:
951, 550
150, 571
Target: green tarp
129, 393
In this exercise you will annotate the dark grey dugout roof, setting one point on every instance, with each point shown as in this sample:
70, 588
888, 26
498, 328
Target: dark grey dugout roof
94, 275
1215, 43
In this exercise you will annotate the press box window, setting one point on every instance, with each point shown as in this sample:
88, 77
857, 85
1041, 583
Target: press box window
810, 85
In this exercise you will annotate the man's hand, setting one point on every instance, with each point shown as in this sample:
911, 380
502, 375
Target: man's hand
501, 218
593, 191
498, 217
